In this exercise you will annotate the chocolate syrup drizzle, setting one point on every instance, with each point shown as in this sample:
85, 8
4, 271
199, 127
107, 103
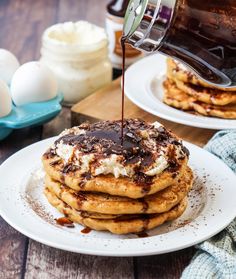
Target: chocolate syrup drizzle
106, 135
65, 222
103, 139
122, 42
86, 230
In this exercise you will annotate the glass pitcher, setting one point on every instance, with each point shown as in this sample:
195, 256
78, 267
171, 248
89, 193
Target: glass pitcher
199, 33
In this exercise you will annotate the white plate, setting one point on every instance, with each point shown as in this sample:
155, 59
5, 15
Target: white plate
143, 86
23, 205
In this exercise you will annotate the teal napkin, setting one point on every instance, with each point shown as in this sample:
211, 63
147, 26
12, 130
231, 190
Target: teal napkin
216, 257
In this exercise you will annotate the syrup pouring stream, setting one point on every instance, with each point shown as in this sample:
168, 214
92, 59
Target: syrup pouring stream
123, 39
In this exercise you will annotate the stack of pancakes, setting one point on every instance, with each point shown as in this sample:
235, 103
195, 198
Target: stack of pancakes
184, 90
124, 185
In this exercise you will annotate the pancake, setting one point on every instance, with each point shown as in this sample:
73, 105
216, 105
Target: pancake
103, 203
227, 112
91, 158
177, 70
95, 215
121, 186
175, 97
124, 225
207, 95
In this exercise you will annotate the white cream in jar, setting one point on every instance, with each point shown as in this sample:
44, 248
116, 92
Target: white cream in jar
77, 53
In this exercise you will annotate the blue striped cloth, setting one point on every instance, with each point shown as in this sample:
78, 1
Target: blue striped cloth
216, 257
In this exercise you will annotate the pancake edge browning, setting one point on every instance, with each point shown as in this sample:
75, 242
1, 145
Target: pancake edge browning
207, 95
122, 186
102, 203
117, 226
176, 98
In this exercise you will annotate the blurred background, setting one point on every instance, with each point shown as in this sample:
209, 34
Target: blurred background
22, 22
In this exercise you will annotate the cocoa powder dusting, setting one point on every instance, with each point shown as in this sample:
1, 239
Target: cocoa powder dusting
39, 209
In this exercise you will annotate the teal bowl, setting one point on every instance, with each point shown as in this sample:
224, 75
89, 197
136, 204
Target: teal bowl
30, 115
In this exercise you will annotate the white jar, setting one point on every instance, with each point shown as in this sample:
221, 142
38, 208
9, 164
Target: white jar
78, 55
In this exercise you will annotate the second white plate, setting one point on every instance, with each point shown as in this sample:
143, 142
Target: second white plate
143, 87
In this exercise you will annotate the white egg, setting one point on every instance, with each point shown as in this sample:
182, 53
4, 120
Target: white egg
8, 65
33, 82
5, 99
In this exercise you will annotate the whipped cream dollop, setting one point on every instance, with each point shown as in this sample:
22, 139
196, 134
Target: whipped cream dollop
98, 148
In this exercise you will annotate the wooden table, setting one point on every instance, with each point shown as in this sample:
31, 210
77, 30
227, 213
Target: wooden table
22, 23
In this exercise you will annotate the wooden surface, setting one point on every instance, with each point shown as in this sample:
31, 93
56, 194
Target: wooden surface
106, 104
21, 25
